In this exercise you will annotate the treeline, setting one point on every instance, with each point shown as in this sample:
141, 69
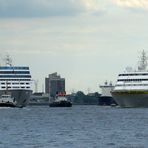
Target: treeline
80, 98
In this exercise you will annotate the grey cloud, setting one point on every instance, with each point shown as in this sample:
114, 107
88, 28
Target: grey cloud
40, 8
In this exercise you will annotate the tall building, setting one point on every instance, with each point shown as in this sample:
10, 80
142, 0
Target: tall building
54, 83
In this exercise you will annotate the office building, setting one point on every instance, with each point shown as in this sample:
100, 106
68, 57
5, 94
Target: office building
54, 83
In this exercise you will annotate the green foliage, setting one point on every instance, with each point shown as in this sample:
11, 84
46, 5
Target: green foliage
81, 99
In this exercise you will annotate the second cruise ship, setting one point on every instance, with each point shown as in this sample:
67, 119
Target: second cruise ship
16, 82
131, 89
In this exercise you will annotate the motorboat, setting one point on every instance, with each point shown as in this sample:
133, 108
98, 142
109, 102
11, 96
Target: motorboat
7, 101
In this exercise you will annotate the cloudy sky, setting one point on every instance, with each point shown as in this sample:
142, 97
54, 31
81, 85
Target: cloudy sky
85, 41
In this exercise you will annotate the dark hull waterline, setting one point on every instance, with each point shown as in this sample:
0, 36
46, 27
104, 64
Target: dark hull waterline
7, 105
60, 104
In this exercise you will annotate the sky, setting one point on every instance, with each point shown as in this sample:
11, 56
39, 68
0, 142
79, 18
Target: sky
85, 41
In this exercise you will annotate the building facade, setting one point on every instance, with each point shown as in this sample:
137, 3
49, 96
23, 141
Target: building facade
54, 83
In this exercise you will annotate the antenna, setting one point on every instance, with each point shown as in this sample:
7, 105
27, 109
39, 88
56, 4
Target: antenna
88, 90
8, 60
0, 60
143, 62
42, 87
36, 85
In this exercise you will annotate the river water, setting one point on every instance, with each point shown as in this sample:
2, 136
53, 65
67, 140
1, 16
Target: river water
75, 127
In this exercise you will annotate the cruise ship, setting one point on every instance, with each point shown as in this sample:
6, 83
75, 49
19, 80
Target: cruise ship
15, 81
131, 89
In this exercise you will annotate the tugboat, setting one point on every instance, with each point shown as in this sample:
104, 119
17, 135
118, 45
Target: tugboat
7, 101
60, 101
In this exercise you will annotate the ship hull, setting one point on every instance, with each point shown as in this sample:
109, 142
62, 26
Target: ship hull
106, 100
21, 96
7, 104
131, 99
61, 104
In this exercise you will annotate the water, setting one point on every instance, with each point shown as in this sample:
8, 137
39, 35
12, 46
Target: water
76, 127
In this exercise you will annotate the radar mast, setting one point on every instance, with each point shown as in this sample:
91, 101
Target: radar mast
8, 60
143, 62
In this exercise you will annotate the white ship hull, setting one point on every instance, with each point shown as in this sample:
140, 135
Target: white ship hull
131, 98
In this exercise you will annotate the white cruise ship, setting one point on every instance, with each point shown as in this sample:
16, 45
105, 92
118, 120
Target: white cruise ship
131, 89
15, 81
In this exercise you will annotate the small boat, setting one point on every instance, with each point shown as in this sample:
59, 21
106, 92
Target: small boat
60, 101
7, 101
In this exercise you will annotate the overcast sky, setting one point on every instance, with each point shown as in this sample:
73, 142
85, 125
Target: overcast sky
86, 41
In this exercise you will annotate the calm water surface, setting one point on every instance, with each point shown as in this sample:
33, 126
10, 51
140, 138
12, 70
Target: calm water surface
76, 127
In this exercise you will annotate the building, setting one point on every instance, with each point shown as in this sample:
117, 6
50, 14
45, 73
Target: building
54, 83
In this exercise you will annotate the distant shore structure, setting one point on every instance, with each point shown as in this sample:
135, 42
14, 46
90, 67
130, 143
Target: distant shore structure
53, 84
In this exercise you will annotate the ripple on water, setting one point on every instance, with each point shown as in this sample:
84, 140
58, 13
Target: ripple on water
79, 126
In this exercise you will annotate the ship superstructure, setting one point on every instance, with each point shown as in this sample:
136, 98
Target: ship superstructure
15, 81
131, 89
106, 97
106, 89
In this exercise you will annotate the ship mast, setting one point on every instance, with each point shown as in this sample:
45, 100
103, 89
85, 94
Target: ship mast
8, 60
143, 62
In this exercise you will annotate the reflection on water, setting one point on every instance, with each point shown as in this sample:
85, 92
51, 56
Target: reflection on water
75, 127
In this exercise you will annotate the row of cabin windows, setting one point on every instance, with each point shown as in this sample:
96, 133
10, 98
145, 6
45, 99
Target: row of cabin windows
14, 67
132, 85
132, 80
14, 83
15, 76
15, 79
134, 74
14, 72
13, 87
